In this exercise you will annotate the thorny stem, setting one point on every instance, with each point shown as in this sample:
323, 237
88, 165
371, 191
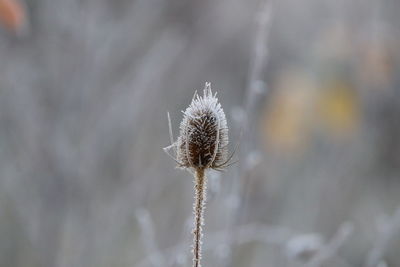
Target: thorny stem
198, 209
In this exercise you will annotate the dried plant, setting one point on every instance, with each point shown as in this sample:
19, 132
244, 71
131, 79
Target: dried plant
202, 144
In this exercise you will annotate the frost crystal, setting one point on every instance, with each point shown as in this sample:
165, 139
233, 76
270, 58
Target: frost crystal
203, 138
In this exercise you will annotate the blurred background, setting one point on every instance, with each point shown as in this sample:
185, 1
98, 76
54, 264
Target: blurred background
85, 86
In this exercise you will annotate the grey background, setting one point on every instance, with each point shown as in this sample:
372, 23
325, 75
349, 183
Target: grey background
314, 86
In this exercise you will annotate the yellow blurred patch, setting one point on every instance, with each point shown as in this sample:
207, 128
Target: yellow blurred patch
286, 117
338, 108
298, 108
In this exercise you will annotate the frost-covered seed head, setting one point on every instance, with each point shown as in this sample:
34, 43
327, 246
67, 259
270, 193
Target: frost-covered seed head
203, 138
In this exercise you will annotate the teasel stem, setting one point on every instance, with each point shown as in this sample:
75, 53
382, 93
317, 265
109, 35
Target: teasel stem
198, 209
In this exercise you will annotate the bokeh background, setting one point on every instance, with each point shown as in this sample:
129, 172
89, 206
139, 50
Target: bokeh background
85, 86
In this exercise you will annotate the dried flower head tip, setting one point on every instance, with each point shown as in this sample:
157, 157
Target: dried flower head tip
203, 137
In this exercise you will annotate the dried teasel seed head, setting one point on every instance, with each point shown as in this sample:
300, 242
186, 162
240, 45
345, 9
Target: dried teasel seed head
203, 138
202, 144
